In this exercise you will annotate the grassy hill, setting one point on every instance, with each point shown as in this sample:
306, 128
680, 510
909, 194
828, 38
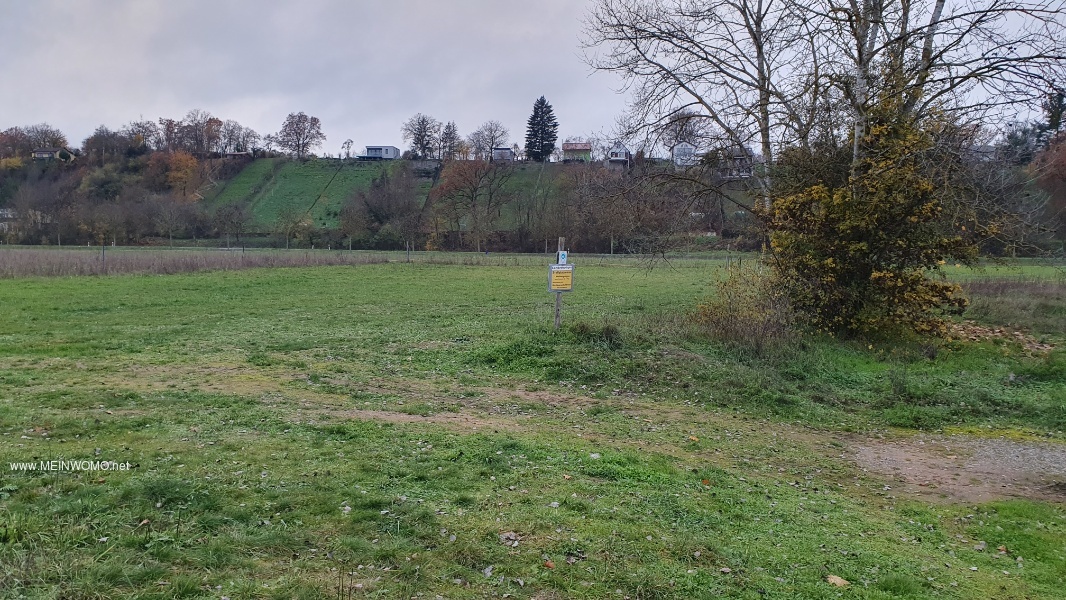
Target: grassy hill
318, 187
321, 187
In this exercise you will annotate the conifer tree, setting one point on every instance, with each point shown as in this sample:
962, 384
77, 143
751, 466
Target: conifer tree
542, 130
449, 141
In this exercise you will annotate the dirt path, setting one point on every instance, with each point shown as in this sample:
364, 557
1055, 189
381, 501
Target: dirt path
953, 468
961, 468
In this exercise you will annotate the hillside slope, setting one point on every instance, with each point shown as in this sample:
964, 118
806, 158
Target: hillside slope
316, 187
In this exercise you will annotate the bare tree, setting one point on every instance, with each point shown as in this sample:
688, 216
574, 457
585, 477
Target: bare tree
105, 145
14, 143
300, 134
423, 133
764, 72
474, 192
169, 135
968, 61
44, 135
229, 136
745, 68
200, 131
353, 219
232, 219
142, 134
291, 222
249, 140
464, 150
270, 142
169, 215
492, 134
346, 147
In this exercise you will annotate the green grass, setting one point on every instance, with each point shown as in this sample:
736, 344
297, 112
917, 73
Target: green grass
302, 432
247, 184
317, 187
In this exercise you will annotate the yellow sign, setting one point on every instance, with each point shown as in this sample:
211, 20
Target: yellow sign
560, 278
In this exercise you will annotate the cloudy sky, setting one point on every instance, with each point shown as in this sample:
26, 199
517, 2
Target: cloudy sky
361, 67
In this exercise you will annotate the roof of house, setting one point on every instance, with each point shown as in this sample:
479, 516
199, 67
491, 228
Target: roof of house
574, 146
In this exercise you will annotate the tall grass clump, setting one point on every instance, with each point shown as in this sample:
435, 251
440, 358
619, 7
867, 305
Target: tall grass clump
1026, 302
748, 310
32, 262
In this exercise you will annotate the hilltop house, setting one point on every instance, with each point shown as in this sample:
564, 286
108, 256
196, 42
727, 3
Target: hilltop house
618, 157
63, 154
381, 153
684, 154
503, 154
736, 162
577, 152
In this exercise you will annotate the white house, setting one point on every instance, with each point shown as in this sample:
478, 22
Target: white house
503, 154
618, 156
382, 153
684, 154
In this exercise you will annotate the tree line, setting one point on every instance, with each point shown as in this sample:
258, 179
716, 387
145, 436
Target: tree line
431, 139
874, 121
144, 179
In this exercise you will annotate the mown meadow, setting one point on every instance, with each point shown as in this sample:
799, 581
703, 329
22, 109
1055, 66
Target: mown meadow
418, 430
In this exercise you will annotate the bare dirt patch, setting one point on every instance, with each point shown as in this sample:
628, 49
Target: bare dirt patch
963, 468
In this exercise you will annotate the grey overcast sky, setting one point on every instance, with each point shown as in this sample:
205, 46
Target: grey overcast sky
361, 67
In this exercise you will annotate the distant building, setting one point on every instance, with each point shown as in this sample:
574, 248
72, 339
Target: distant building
381, 153
577, 152
503, 154
7, 219
63, 154
736, 162
619, 157
684, 154
982, 152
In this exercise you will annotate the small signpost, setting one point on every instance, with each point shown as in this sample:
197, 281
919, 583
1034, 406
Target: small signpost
560, 279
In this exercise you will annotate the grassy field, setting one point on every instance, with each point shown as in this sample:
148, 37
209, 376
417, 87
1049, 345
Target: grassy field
418, 430
318, 187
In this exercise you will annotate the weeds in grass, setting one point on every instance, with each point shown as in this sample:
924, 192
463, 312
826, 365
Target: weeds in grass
90, 261
1038, 305
749, 311
608, 335
64, 263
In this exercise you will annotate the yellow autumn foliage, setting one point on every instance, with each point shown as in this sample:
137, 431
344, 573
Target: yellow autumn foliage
864, 256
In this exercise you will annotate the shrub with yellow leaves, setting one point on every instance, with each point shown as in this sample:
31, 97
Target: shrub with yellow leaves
862, 253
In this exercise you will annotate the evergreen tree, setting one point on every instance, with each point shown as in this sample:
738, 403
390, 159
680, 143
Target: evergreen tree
541, 131
449, 141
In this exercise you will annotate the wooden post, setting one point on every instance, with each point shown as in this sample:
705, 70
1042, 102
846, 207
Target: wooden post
559, 295
103, 256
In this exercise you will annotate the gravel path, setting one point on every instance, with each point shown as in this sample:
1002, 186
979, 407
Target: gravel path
968, 469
